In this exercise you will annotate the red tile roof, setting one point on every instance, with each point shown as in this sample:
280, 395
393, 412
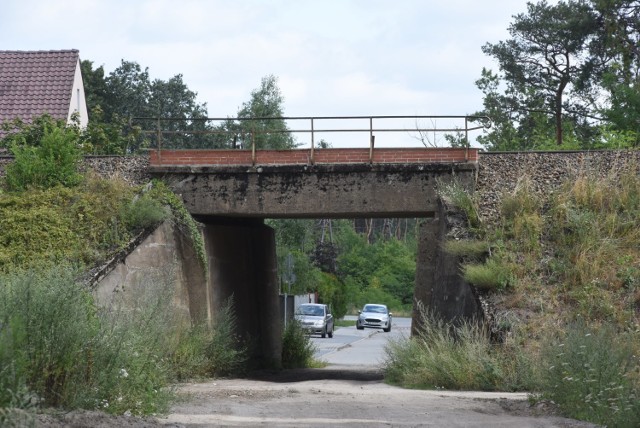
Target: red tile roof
36, 82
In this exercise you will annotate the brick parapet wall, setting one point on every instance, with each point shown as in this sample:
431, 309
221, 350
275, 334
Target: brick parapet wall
324, 156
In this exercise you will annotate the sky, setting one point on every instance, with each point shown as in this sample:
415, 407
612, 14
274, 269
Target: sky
331, 57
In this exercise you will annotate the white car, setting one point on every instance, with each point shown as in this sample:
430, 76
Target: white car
374, 316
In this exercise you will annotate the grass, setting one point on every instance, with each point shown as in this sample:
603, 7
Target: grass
345, 323
562, 271
493, 275
467, 248
577, 254
460, 357
593, 374
57, 349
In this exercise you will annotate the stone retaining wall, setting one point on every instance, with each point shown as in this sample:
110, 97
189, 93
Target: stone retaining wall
132, 169
499, 173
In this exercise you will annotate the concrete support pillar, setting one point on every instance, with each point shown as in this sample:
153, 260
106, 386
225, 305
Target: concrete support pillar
243, 266
425, 268
440, 286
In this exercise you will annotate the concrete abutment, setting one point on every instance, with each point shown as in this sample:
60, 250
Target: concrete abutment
242, 267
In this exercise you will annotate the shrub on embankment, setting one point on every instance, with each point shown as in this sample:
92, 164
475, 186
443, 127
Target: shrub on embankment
561, 279
57, 348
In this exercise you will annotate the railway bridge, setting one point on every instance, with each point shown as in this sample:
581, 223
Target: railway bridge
232, 191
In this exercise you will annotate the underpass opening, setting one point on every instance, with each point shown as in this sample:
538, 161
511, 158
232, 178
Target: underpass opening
246, 258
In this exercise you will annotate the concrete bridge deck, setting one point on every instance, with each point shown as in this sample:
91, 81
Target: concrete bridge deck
339, 183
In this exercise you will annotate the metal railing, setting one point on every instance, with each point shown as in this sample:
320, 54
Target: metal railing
309, 125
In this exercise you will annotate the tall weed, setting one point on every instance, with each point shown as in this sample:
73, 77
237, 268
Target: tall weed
459, 356
47, 327
59, 350
136, 331
297, 348
208, 351
594, 375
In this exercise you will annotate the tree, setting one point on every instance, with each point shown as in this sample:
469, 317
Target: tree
172, 99
546, 67
129, 92
618, 43
503, 134
260, 120
95, 88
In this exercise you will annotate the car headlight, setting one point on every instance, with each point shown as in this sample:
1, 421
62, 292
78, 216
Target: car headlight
319, 323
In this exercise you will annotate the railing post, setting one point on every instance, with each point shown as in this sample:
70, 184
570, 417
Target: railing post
253, 148
372, 140
159, 137
312, 160
466, 139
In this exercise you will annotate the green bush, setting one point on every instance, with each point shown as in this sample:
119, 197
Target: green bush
59, 224
492, 275
594, 375
297, 348
467, 248
143, 212
53, 162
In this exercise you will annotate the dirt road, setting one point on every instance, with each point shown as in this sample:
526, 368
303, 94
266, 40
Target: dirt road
334, 397
349, 392
331, 397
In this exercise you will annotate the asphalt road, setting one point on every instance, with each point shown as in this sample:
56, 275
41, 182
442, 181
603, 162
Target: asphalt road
352, 347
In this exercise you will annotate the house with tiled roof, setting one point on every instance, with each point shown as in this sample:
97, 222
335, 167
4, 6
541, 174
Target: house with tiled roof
33, 83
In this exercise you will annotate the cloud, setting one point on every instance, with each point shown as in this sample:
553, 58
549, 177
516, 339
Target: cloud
331, 57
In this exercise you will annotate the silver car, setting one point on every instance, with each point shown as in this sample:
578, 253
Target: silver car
316, 318
374, 316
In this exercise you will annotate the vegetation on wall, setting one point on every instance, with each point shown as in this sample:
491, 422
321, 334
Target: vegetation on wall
560, 274
57, 348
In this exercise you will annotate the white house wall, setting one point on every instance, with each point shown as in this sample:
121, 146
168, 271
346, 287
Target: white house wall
78, 100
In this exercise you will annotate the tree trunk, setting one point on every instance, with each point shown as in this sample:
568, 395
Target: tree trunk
558, 111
